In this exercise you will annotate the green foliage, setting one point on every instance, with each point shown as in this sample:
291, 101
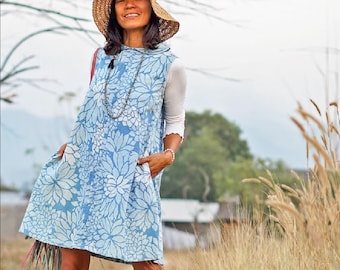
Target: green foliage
213, 160
211, 144
226, 133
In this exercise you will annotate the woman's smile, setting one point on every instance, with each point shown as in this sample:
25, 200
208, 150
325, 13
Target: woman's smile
133, 15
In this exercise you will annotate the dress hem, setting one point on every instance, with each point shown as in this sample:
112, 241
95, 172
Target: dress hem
92, 253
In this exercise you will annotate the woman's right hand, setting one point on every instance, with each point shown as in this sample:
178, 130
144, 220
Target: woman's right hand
62, 150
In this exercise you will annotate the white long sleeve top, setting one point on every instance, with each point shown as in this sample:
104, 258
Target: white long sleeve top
174, 99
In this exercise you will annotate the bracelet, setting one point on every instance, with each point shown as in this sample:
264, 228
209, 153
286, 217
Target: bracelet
172, 153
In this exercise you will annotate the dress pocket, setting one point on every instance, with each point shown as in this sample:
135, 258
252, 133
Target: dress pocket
47, 171
143, 174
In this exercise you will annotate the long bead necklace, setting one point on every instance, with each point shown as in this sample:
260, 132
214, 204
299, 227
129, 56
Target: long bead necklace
106, 101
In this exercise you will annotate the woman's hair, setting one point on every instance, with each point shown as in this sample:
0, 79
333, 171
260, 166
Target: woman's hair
113, 45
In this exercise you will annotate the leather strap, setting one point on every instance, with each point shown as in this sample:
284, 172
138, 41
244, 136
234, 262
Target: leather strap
94, 63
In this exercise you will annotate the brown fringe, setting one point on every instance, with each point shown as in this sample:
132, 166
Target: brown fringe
43, 256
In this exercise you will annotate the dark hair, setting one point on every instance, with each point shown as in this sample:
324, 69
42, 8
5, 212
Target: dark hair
114, 42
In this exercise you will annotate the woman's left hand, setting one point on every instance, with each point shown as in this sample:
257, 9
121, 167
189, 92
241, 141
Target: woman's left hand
157, 162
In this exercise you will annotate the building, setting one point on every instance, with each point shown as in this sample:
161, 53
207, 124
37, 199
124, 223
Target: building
189, 223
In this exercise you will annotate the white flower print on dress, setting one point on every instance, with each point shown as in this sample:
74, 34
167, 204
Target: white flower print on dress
71, 153
96, 197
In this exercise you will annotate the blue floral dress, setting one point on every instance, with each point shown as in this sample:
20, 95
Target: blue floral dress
96, 197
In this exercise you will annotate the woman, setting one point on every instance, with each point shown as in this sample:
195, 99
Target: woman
99, 195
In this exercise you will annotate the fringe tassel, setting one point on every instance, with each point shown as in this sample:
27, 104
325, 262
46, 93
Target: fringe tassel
42, 256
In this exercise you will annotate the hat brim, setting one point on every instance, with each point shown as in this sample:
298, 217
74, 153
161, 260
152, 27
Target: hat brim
168, 25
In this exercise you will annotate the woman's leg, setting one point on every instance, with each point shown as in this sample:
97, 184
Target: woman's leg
75, 259
146, 266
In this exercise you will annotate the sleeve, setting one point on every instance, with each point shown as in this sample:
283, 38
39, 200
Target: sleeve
174, 98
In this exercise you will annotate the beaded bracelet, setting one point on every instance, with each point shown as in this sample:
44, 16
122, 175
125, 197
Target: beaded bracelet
172, 152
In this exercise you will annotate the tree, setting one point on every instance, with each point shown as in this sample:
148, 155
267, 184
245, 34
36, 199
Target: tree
57, 23
211, 144
214, 160
252, 193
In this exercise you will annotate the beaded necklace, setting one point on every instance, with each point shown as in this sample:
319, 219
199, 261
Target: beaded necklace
106, 102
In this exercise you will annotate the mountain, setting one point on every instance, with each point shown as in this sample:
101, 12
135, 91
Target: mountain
27, 141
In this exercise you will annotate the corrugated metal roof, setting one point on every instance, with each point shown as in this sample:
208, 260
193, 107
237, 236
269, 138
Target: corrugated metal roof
175, 239
179, 210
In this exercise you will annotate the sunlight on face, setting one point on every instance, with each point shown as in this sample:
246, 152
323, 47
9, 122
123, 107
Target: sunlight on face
133, 15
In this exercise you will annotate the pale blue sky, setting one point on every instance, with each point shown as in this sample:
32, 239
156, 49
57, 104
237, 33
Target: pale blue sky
275, 52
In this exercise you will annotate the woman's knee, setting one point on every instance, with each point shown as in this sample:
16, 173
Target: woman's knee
147, 265
74, 259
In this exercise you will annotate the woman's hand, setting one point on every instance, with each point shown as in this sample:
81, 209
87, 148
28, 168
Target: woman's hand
157, 162
62, 150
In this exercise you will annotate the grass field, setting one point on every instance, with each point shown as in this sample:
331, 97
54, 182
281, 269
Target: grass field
301, 231
244, 249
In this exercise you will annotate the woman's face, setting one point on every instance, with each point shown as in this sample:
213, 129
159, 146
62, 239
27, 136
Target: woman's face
133, 15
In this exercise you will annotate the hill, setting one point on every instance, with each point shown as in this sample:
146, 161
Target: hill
26, 143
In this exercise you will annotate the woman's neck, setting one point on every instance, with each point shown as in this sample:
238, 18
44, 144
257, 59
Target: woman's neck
133, 39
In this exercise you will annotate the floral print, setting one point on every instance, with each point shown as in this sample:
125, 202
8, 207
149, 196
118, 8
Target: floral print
96, 197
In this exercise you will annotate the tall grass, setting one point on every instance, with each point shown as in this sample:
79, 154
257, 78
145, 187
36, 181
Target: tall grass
316, 212
301, 230
297, 227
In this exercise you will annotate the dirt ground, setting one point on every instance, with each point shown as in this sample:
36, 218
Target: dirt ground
13, 253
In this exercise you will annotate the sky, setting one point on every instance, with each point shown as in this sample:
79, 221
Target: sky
263, 57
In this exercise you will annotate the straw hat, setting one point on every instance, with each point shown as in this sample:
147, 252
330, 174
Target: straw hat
168, 26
